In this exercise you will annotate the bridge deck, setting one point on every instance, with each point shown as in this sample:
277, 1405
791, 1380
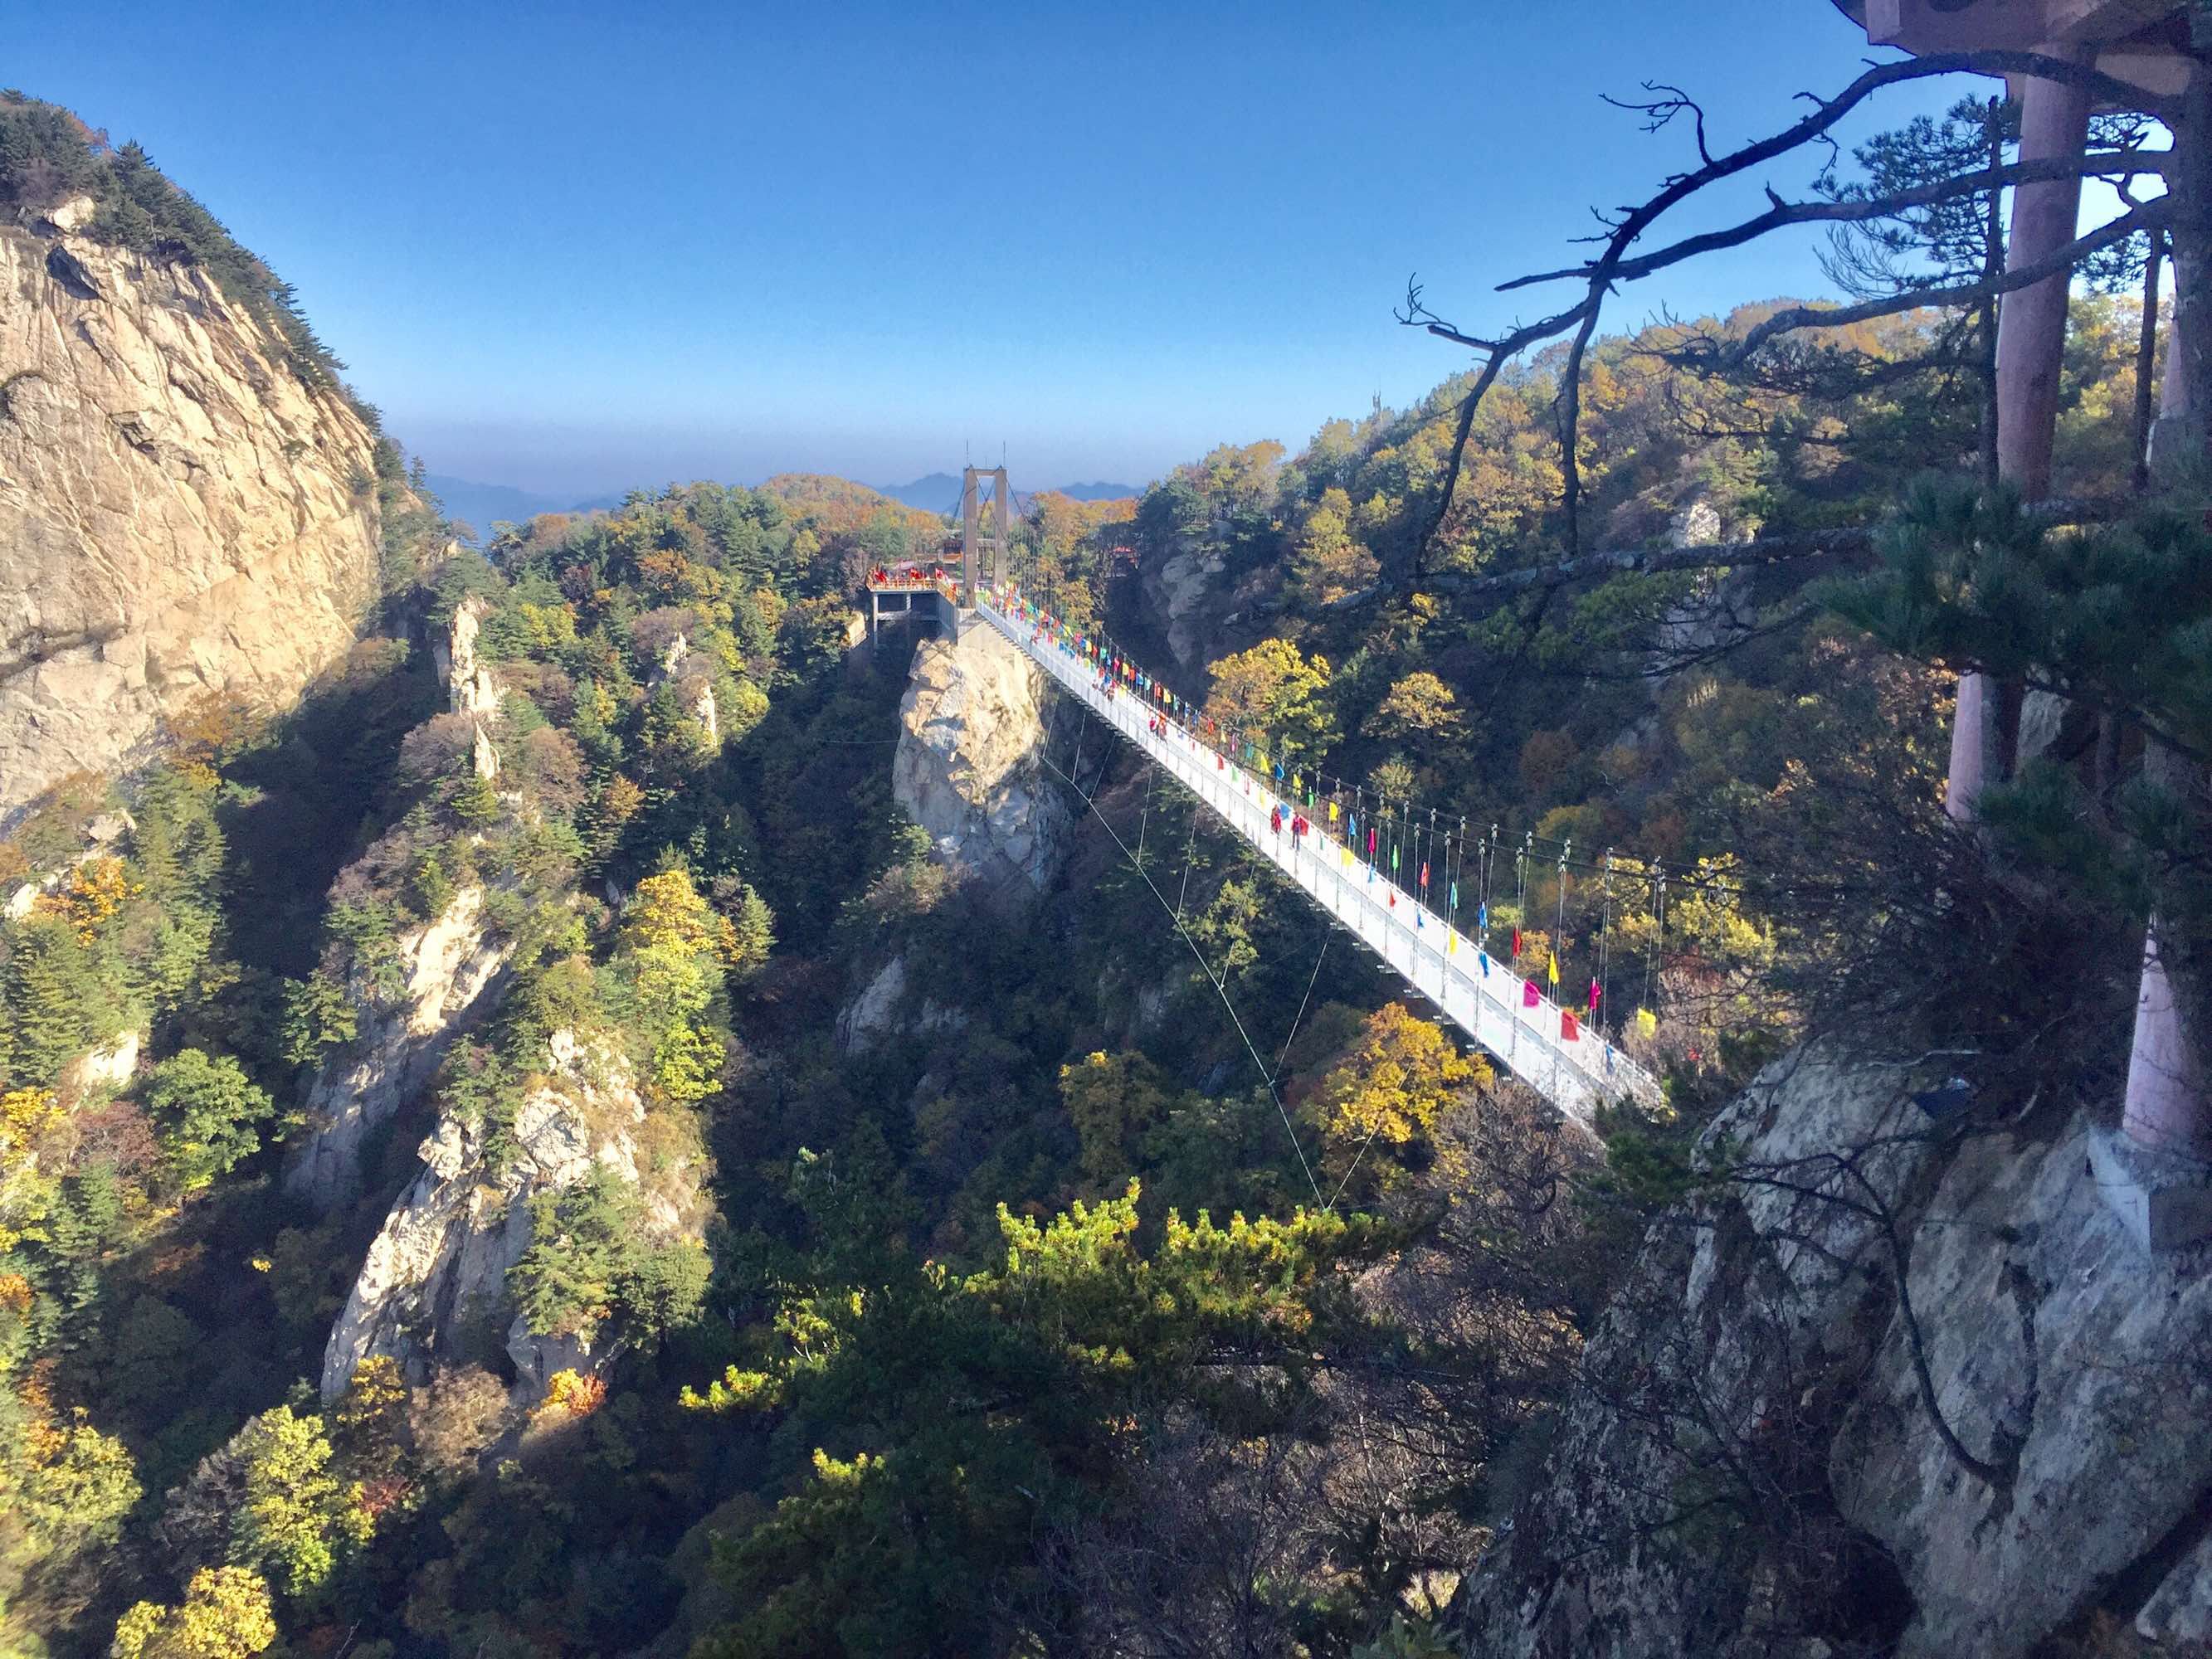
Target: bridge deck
1481, 996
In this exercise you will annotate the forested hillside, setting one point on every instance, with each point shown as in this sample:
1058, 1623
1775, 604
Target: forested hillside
533, 1151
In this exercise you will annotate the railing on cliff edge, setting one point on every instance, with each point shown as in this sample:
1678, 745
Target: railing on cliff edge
1510, 1018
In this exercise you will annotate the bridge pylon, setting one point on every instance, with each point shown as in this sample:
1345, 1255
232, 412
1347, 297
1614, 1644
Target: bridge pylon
977, 539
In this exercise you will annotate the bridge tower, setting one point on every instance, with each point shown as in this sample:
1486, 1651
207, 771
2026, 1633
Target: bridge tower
975, 539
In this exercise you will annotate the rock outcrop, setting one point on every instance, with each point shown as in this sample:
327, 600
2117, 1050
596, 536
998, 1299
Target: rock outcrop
471, 688
179, 513
449, 966
437, 1270
1185, 593
1751, 1465
883, 1011
974, 724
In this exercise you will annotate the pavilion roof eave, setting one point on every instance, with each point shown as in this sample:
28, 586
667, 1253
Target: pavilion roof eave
2144, 42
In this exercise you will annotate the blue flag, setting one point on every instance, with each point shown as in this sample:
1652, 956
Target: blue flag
1483, 957
1482, 918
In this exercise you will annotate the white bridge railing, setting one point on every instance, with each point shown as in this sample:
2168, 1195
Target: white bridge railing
1481, 996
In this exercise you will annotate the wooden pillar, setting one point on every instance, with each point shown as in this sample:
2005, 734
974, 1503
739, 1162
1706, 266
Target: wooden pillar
2031, 347
2166, 1104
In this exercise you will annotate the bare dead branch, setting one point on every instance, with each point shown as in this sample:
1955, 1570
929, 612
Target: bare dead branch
2109, 164
1814, 127
2152, 215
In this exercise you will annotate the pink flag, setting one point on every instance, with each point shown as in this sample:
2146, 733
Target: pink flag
1594, 995
1530, 996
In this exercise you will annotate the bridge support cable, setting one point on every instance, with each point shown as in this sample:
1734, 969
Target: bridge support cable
1311, 979
1219, 988
1189, 857
1510, 1018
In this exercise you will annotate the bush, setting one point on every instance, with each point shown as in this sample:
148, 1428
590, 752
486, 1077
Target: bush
204, 1109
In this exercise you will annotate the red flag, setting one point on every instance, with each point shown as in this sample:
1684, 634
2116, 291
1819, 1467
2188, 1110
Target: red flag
1424, 873
1568, 1031
1530, 996
1516, 941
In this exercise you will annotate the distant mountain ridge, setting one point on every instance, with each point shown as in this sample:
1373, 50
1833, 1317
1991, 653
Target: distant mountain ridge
940, 492
480, 505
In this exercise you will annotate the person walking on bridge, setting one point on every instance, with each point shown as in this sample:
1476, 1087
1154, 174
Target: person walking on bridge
1275, 820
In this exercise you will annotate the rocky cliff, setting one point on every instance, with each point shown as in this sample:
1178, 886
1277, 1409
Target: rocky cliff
1888, 1385
974, 724
448, 971
439, 1266
179, 513
446, 966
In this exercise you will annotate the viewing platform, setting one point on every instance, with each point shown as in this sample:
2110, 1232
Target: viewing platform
926, 599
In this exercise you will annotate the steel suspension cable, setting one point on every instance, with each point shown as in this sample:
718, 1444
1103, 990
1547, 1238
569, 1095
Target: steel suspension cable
1219, 989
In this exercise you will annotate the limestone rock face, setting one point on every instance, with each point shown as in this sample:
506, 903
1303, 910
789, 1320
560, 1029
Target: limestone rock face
438, 1267
868, 1017
470, 685
178, 512
1181, 592
974, 723
1760, 1330
2063, 1353
450, 964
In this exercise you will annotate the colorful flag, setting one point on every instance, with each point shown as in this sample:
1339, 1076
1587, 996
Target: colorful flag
1424, 873
1530, 996
1568, 1031
1451, 945
1646, 1021
1483, 957
1516, 944
1555, 967
1455, 895
1594, 996
1332, 811
1393, 860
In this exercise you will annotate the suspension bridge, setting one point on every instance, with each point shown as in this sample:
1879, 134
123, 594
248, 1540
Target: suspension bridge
1546, 1045
1575, 1065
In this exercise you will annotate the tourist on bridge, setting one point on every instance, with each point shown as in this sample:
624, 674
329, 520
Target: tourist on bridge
1275, 820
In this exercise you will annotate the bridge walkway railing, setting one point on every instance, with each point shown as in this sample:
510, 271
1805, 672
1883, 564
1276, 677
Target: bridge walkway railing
1481, 996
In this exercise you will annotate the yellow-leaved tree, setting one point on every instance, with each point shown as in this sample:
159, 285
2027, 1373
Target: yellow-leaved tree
1275, 692
676, 947
225, 1615
1388, 1090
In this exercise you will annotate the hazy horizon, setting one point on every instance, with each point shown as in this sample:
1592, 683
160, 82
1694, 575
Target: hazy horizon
586, 258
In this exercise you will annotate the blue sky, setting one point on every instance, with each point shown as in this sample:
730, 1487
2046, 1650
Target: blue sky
573, 251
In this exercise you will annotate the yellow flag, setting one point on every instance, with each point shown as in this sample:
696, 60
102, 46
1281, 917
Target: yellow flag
1451, 945
1344, 854
1555, 967
1332, 811
1646, 1021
